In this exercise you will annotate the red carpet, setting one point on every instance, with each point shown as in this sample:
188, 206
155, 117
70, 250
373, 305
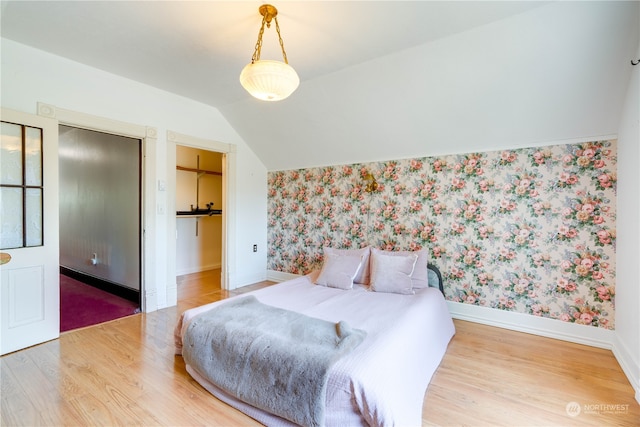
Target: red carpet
83, 305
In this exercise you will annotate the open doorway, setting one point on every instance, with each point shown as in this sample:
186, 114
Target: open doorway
100, 226
199, 220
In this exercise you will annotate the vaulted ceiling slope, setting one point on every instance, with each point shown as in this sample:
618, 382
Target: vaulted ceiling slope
379, 80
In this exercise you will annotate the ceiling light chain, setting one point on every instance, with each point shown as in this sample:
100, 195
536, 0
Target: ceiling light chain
267, 79
256, 53
258, 49
284, 54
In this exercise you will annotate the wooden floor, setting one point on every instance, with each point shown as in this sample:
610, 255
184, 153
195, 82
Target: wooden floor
125, 372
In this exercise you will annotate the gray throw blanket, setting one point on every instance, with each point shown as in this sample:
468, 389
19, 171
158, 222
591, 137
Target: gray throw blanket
274, 359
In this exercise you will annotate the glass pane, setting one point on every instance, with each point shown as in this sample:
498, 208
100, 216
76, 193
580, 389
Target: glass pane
33, 156
11, 154
33, 214
11, 218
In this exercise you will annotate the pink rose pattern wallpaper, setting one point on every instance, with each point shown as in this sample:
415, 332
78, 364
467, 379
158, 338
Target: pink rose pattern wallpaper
526, 230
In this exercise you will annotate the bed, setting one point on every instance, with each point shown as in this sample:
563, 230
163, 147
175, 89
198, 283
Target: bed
380, 382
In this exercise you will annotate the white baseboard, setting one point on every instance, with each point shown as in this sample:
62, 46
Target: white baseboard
279, 276
629, 366
197, 269
150, 302
237, 281
552, 328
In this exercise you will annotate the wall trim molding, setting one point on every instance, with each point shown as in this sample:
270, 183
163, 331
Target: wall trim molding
541, 326
96, 123
246, 279
280, 276
228, 262
150, 283
629, 366
198, 268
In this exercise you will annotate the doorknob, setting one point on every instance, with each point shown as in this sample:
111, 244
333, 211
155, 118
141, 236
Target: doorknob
4, 258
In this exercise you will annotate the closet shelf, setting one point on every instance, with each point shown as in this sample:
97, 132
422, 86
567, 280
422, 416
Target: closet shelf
182, 168
195, 216
198, 213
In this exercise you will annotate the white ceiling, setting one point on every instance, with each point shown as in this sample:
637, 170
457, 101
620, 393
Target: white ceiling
380, 80
198, 48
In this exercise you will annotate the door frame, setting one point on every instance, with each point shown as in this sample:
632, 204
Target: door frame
148, 136
228, 152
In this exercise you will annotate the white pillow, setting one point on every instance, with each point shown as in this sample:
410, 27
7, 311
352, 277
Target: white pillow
420, 275
338, 271
362, 276
392, 273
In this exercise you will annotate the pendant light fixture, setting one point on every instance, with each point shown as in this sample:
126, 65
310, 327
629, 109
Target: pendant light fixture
269, 80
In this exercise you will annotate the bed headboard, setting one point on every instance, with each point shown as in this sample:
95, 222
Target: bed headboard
435, 278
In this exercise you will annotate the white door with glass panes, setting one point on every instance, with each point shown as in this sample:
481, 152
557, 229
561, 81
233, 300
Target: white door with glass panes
29, 264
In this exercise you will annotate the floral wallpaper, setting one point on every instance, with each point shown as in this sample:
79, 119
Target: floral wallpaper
526, 230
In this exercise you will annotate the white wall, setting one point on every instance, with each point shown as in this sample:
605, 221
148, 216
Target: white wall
627, 343
198, 244
555, 73
30, 76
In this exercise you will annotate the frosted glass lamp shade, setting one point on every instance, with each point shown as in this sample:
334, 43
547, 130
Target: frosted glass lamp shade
269, 80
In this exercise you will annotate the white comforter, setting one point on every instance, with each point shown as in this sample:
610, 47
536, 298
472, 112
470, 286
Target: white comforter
383, 381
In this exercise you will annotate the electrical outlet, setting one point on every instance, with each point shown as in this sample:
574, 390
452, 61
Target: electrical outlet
255, 248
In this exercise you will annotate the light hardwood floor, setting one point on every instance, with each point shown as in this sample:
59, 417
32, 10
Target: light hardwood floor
124, 372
